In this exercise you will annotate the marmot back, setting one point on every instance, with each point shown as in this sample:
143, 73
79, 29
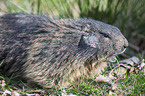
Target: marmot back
51, 52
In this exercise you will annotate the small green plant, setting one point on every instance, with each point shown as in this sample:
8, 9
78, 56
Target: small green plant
134, 84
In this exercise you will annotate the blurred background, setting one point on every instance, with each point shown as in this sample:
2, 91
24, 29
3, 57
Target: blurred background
127, 15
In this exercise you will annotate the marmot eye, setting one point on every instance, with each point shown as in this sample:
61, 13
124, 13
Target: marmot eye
105, 35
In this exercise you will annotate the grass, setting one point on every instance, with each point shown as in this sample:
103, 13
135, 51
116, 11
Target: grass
133, 84
128, 16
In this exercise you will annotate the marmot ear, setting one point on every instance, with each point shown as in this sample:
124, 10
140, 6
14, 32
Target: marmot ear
88, 41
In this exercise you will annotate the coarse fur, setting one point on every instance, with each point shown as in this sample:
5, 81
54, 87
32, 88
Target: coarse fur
51, 52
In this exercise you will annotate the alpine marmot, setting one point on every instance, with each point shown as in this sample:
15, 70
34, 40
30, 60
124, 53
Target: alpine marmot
51, 52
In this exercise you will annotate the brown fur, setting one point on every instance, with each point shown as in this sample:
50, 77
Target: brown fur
51, 52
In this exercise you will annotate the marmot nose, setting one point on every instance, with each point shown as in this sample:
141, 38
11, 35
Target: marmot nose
125, 46
125, 43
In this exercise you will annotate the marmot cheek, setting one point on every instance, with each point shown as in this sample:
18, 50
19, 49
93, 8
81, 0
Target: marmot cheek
106, 40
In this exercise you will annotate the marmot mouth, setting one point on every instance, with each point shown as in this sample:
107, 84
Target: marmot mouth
113, 58
120, 52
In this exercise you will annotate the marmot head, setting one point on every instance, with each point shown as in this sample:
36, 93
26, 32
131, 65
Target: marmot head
96, 37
